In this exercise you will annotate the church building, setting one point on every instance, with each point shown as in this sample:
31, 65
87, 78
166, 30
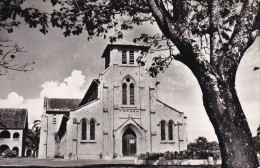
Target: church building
119, 116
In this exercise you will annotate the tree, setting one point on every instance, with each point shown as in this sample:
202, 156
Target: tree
8, 53
32, 138
211, 37
256, 140
9, 10
202, 144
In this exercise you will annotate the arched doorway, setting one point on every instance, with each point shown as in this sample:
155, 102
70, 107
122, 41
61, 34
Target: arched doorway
16, 149
3, 148
129, 143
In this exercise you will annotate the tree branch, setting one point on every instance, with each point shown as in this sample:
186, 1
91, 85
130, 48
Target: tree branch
240, 39
170, 30
7, 56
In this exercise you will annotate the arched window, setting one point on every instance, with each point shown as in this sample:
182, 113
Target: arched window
163, 123
124, 61
84, 129
128, 91
170, 130
124, 94
5, 134
16, 135
131, 57
92, 129
132, 94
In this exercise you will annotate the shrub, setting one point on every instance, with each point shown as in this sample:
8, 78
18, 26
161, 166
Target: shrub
8, 153
187, 154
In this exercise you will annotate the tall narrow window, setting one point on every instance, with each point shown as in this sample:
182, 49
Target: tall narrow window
132, 94
163, 130
124, 94
84, 130
124, 61
92, 129
131, 57
170, 130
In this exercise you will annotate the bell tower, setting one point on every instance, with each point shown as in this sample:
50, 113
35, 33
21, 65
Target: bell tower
123, 53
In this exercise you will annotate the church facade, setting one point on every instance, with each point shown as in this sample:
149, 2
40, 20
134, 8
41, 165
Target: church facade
120, 115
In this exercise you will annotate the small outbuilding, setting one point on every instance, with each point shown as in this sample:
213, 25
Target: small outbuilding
13, 126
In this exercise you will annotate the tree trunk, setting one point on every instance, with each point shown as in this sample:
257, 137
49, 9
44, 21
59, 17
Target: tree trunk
226, 114
231, 128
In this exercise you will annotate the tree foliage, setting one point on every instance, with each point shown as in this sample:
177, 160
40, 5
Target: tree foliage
202, 144
32, 138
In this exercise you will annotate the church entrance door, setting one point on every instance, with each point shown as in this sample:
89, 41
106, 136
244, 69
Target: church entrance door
129, 142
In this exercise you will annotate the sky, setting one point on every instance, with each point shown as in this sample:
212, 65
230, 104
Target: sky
65, 67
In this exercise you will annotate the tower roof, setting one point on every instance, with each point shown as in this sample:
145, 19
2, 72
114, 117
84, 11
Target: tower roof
123, 43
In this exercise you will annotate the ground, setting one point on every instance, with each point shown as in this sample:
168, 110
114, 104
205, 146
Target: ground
33, 162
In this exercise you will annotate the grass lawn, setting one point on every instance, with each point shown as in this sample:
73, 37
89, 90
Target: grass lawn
34, 162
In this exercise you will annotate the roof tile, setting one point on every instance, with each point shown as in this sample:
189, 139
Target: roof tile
58, 104
13, 118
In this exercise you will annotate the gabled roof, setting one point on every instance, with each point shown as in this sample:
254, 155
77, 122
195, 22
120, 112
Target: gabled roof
90, 95
13, 118
58, 104
131, 120
123, 43
169, 106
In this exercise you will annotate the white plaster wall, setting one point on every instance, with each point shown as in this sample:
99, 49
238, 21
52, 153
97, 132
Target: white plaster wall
85, 149
13, 142
43, 139
48, 147
162, 112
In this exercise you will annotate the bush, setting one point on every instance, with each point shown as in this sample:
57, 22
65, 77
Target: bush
8, 153
187, 154
150, 156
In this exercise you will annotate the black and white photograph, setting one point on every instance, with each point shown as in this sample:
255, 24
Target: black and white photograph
130, 83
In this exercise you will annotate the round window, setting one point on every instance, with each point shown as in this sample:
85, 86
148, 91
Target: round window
128, 79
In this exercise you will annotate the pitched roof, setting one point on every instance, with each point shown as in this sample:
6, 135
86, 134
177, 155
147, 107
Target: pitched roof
123, 43
58, 104
169, 106
91, 93
13, 118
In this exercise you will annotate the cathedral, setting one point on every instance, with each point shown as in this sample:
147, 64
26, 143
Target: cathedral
119, 116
